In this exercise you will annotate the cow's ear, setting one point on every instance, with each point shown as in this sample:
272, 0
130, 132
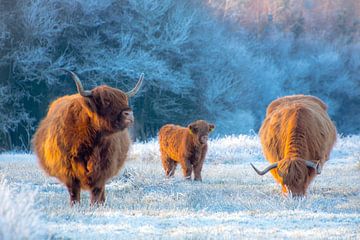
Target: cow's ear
192, 128
211, 127
101, 101
91, 104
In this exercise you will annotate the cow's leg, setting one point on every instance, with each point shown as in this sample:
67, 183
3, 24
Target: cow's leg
197, 171
73, 187
97, 195
172, 172
187, 169
284, 190
168, 164
102, 196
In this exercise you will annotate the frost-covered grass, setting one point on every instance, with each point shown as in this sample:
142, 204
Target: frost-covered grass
18, 217
232, 202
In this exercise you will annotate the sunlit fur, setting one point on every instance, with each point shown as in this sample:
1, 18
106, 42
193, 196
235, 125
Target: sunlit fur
296, 128
83, 142
183, 145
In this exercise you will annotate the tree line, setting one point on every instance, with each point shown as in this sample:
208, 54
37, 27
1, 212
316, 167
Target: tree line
202, 60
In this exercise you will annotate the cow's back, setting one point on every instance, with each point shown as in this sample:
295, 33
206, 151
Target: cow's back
58, 136
303, 99
297, 128
172, 140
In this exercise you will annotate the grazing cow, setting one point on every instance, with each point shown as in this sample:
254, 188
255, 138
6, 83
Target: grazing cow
83, 140
186, 146
297, 136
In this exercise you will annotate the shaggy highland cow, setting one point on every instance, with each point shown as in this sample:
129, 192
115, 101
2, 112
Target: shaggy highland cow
297, 136
83, 140
186, 146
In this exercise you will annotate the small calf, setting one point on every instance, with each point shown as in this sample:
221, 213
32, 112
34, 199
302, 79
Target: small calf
187, 146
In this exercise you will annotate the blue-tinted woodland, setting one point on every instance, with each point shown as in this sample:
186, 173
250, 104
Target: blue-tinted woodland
202, 59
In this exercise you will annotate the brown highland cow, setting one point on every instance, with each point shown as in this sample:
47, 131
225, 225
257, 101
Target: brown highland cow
83, 140
297, 136
186, 146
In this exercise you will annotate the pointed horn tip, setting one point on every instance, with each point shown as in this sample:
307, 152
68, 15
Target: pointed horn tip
318, 168
79, 86
137, 86
256, 170
141, 78
252, 165
263, 172
67, 71
71, 73
315, 166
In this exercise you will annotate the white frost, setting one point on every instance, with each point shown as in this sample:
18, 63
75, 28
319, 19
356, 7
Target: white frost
232, 202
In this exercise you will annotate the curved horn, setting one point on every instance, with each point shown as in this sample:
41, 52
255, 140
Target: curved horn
79, 86
272, 166
315, 166
137, 87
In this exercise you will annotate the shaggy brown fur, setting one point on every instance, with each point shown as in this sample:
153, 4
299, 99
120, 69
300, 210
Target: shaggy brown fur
186, 146
83, 141
296, 128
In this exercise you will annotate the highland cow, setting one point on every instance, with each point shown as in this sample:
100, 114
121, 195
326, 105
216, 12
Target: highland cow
187, 146
83, 140
297, 136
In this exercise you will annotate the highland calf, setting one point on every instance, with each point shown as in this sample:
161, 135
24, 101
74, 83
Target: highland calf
187, 146
83, 141
297, 136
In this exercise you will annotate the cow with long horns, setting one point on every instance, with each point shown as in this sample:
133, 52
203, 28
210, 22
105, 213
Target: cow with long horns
297, 136
83, 140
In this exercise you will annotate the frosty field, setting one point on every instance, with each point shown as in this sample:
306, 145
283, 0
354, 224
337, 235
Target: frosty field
232, 202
